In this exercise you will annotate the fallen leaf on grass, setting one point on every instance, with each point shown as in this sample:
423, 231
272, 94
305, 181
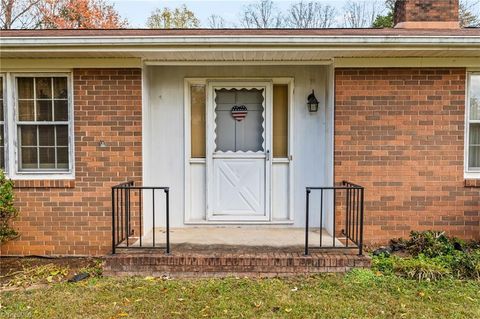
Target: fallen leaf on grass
294, 289
123, 314
288, 309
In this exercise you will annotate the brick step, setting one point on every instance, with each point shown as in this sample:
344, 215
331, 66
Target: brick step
227, 264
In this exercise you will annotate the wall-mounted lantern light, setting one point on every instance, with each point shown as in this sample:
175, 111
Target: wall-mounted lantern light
312, 103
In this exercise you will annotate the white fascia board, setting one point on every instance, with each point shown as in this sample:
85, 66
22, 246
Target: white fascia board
240, 40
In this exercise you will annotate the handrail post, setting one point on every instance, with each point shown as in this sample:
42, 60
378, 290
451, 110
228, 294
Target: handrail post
362, 203
306, 220
113, 220
167, 219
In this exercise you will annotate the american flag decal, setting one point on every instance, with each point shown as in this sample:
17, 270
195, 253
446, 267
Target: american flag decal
239, 112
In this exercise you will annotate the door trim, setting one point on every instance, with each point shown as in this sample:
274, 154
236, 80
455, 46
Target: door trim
210, 146
189, 161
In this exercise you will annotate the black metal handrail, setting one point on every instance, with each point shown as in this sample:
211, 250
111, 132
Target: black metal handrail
352, 231
128, 204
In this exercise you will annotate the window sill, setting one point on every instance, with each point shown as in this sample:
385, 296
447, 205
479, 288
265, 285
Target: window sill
44, 183
473, 183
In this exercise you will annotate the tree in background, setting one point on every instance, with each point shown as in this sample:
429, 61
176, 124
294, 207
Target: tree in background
469, 13
361, 14
80, 14
216, 22
19, 14
263, 14
60, 14
312, 14
180, 18
385, 21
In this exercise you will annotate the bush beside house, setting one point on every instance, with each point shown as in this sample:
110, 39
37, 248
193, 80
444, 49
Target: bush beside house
7, 211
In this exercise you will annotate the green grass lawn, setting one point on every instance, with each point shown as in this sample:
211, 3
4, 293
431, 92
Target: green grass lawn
359, 294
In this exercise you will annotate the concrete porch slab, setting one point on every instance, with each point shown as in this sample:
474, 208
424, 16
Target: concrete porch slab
239, 236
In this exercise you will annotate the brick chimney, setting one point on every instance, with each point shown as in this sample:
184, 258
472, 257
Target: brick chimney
426, 14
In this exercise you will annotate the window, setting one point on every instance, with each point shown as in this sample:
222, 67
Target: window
42, 123
473, 124
2, 122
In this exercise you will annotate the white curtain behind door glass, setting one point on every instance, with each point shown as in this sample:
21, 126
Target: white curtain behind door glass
245, 135
474, 122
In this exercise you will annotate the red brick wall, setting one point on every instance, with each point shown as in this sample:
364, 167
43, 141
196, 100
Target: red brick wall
400, 133
426, 10
73, 218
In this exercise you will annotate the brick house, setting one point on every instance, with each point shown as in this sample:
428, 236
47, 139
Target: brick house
221, 117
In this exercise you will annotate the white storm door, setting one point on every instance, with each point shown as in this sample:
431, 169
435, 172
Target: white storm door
238, 151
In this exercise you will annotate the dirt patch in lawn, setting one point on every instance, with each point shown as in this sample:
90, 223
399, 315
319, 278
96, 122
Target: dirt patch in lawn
23, 272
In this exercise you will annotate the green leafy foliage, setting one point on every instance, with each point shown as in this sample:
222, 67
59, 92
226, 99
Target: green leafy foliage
432, 256
430, 243
383, 21
7, 210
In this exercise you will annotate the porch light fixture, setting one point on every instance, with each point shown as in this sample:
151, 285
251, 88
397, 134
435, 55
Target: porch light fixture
312, 103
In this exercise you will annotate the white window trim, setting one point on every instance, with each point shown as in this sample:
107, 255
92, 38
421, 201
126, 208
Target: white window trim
12, 161
469, 172
5, 121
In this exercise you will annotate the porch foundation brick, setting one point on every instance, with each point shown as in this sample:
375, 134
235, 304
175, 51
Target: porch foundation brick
73, 217
399, 132
249, 264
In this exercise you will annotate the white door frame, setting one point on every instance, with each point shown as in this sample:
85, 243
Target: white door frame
210, 146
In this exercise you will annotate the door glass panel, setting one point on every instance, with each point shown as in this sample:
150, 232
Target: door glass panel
197, 93
241, 130
280, 121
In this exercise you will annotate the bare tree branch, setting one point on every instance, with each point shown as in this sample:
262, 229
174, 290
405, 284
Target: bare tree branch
19, 14
216, 22
311, 14
361, 14
263, 14
469, 13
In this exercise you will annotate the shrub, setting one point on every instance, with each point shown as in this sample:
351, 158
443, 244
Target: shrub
430, 243
421, 268
7, 210
433, 256
466, 265
383, 263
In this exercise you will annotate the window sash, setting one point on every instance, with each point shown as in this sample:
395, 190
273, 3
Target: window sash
472, 149
43, 167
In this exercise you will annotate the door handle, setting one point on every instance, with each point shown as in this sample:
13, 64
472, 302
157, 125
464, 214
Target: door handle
268, 155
